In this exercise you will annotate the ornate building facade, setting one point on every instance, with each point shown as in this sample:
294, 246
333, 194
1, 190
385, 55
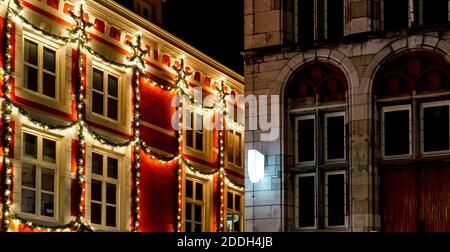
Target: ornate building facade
93, 97
363, 142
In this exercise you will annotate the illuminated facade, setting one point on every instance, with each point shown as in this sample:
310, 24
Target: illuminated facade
363, 140
90, 137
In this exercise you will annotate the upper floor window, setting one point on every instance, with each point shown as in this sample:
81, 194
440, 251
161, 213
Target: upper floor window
38, 175
432, 12
234, 147
194, 206
394, 14
104, 189
234, 212
40, 68
105, 94
194, 130
319, 19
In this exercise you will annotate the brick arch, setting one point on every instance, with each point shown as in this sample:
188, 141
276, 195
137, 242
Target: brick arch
412, 43
323, 55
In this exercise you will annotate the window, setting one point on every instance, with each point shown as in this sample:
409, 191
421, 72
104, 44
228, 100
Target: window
396, 131
145, 12
306, 201
395, 14
104, 190
305, 130
335, 136
433, 12
305, 14
39, 169
234, 212
40, 68
194, 130
333, 13
234, 150
335, 199
434, 130
194, 206
105, 94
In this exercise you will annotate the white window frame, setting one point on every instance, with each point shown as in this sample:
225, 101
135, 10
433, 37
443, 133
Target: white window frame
325, 134
303, 118
233, 211
104, 180
204, 202
106, 74
39, 162
393, 109
422, 139
297, 217
194, 130
326, 199
40, 66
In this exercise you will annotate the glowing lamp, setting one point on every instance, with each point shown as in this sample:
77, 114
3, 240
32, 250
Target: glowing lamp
255, 166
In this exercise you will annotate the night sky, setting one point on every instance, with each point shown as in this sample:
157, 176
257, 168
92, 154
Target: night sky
214, 27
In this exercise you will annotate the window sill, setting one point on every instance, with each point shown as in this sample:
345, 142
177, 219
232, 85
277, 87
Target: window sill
40, 220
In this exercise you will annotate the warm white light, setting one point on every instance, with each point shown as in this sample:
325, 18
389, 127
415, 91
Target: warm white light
255, 166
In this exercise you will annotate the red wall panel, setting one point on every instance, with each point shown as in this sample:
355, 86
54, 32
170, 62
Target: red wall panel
156, 106
158, 198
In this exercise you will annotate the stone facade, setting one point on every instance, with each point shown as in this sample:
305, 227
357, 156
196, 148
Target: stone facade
271, 60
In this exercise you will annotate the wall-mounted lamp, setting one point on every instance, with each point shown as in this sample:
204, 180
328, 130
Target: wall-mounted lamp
255, 166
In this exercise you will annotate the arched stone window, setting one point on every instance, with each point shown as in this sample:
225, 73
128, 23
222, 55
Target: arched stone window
317, 145
412, 125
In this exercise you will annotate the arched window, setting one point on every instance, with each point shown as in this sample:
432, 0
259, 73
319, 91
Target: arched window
412, 128
316, 100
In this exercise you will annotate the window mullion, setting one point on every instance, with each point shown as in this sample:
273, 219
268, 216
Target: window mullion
105, 94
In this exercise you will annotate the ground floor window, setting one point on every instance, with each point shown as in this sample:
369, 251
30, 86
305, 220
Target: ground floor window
234, 212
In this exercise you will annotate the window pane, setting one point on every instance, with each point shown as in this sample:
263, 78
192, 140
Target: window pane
96, 190
49, 60
239, 149
199, 140
189, 138
47, 204
306, 210
188, 227
112, 108
335, 19
229, 200
336, 200
97, 164
30, 145
49, 150
237, 223
31, 49
198, 227
396, 132
97, 103
28, 175
198, 191
31, 78
97, 80
306, 140
230, 150
112, 167
49, 85
237, 202
113, 86
395, 14
198, 213
188, 211
189, 189
435, 12
48, 180
96, 213
110, 216
335, 137
189, 127
306, 20
28, 201
435, 128
110, 193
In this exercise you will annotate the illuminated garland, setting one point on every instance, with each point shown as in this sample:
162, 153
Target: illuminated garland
78, 34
